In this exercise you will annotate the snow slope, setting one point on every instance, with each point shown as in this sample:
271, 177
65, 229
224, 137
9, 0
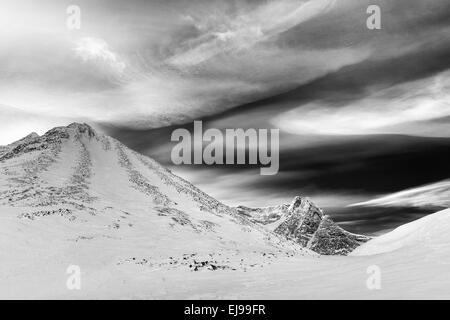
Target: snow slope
430, 233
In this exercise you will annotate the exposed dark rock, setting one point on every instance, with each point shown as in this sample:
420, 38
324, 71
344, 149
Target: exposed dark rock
331, 239
306, 224
53, 137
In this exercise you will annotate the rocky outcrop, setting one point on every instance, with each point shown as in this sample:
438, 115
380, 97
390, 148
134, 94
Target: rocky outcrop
19, 146
305, 223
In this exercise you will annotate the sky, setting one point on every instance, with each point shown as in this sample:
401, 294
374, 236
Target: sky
362, 113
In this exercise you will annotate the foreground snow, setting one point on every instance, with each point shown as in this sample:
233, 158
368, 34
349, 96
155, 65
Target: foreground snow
35, 267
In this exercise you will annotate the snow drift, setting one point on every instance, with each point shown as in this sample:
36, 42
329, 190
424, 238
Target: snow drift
429, 233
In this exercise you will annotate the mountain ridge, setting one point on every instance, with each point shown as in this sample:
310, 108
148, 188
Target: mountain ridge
93, 187
63, 173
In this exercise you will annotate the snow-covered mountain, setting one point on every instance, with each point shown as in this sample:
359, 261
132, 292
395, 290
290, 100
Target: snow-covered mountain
73, 197
93, 186
73, 194
306, 224
77, 174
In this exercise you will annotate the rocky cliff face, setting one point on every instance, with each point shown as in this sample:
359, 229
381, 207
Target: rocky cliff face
306, 224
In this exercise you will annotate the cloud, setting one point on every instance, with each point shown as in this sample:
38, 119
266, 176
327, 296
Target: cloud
97, 50
172, 62
231, 34
124, 77
435, 195
385, 111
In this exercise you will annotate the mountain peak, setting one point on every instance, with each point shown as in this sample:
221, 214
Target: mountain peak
32, 135
51, 139
304, 205
74, 129
25, 139
82, 128
305, 223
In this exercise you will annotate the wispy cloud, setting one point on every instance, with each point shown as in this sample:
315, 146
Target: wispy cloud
234, 33
157, 74
98, 50
435, 195
396, 109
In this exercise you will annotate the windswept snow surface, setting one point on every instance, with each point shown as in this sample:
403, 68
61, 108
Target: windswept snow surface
136, 231
429, 234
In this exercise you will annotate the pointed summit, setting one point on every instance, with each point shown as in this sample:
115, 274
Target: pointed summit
304, 206
29, 137
19, 146
81, 127
305, 223
32, 135
51, 139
